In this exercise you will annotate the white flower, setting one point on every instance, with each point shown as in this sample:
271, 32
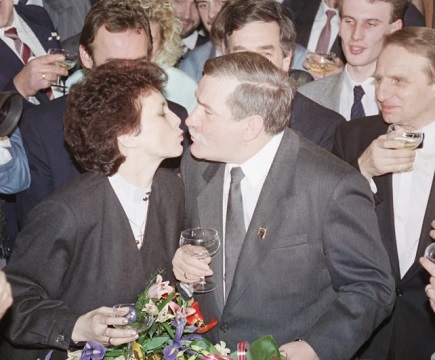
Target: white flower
222, 348
75, 355
151, 308
164, 315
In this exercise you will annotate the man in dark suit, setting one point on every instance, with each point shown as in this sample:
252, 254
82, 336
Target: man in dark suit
311, 263
51, 165
402, 182
265, 27
35, 32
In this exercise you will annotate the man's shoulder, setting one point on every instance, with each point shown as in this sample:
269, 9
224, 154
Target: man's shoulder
43, 115
318, 87
34, 14
369, 126
311, 111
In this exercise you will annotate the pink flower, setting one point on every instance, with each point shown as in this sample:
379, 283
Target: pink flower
181, 311
159, 289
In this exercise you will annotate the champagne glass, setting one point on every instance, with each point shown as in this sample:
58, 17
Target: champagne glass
430, 252
69, 62
200, 243
321, 63
139, 321
410, 135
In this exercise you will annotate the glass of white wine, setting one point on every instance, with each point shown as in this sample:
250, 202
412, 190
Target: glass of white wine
69, 62
412, 136
321, 63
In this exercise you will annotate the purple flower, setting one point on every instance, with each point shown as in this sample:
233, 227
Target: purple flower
93, 351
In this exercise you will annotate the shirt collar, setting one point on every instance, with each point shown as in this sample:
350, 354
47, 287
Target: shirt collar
128, 192
368, 85
257, 167
191, 40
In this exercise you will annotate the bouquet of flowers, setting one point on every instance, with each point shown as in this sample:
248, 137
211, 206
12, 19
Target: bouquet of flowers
175, 333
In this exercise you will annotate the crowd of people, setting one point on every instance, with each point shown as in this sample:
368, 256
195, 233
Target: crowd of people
209, 113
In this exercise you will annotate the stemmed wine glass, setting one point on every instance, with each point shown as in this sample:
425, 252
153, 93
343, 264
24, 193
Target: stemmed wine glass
430, 252
136, 321
200, 243
69, 62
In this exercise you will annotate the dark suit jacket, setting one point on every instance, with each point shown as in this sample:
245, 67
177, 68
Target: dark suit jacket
78, 253
38, 20
315, 122
51, 164
304, 13
319, 274
410, 331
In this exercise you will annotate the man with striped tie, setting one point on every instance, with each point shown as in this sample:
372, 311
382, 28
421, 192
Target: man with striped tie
26, 33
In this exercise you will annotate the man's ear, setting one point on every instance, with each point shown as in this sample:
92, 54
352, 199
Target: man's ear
253, 127
85, 58
397, 25
287, 61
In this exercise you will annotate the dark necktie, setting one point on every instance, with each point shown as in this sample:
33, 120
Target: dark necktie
357, 110
325, 35
235, 227
22, 49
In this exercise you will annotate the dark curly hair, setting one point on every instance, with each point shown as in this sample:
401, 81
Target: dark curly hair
107, 105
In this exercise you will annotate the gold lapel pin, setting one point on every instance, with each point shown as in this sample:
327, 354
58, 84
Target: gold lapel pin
262, 233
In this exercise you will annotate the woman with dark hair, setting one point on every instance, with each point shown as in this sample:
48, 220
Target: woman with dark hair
96, 242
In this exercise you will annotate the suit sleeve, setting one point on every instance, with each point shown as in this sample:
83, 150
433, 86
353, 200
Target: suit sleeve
359, 269
37, 272
15, 174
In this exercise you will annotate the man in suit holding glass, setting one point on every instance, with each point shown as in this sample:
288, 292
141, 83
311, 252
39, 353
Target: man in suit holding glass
301, 257
402, 182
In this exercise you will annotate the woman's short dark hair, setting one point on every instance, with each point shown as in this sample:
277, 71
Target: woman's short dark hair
105, 106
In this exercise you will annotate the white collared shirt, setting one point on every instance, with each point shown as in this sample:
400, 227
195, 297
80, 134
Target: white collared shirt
190, 41
131, 198
318, 25
25, 34
411, 191
369, 102
255, 169
5, 155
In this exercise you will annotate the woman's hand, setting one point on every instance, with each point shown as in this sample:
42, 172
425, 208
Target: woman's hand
97, 325
5, 294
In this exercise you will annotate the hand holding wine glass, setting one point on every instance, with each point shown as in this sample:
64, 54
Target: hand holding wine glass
200, 243
137, 321
69, 62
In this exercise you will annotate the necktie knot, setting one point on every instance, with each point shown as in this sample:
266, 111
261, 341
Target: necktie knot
237, 175
358, 93
330, 14
11, 33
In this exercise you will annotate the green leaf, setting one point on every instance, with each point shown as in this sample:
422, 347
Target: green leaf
264, 349
155, 343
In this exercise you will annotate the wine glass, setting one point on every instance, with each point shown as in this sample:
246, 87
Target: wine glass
200, 243
410, 135
69, 62
321, 62
430, 252
139, 321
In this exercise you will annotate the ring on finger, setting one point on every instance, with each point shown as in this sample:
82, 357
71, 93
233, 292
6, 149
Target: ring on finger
109, 341
185, 276
43, 76
428, 288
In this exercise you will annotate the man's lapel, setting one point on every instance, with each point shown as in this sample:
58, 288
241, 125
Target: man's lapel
267, 221
210, 214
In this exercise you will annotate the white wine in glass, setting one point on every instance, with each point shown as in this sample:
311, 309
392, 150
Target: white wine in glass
321, 63
69, 62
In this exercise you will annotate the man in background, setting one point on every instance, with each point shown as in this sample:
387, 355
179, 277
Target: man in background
402, 183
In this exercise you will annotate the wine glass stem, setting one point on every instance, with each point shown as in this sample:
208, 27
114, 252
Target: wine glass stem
129, 351
202, 281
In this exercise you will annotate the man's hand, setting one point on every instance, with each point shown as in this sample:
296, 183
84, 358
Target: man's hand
430, 288
187, 269
298, 350
385, 156
5, 294
339, 66
39, 73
